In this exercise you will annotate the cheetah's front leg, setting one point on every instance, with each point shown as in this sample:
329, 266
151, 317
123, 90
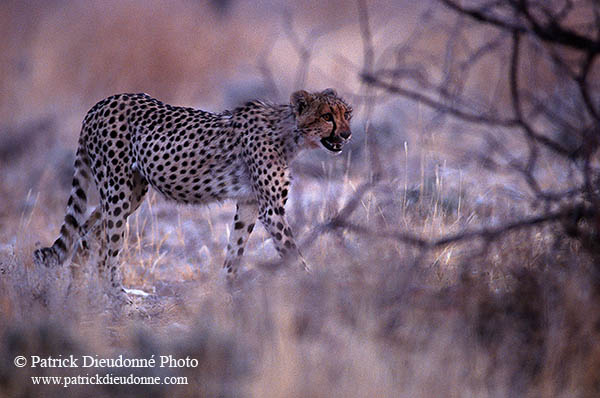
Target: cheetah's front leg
271, 184
281, 233
243, 224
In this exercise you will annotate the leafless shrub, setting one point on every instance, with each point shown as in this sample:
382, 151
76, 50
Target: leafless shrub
541, 58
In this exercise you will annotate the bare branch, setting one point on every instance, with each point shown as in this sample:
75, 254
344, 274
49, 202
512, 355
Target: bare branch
265, 70
482, 16
438, 105
303, 48
584, 88
368, 52
367, 39
486, 233
532, 135
552, 32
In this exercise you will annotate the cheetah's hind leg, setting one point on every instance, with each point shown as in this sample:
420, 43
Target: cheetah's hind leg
63, 246
46, 257
90, 238
126, 198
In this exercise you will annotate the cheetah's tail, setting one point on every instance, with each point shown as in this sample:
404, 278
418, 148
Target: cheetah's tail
74, 219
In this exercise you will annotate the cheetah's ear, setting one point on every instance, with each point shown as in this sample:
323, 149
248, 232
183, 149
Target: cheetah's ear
300, 101
330, 92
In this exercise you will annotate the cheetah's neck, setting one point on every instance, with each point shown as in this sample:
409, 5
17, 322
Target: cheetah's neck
282, 126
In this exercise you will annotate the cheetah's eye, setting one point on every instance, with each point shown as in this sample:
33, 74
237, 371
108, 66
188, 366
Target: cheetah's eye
328, 117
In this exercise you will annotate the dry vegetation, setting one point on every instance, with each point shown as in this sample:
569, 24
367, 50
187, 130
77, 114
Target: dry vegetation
402, 301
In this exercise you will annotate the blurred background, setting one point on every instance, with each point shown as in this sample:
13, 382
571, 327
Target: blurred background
454, 242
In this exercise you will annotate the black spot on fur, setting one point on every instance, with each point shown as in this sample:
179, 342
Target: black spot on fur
70, 220
60, 244
80, 194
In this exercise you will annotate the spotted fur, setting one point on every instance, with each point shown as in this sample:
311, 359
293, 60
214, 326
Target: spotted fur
131, 141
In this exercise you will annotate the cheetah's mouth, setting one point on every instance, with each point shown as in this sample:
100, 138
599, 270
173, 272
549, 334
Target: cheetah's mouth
332, 144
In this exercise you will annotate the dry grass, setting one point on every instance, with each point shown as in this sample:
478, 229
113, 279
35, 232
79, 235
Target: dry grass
377, 317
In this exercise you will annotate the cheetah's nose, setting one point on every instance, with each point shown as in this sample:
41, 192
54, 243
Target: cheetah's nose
345, 134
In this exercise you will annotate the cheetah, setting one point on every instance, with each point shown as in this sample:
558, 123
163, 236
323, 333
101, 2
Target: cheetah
131, 141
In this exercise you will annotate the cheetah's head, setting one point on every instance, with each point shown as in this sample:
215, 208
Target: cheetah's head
323, 118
